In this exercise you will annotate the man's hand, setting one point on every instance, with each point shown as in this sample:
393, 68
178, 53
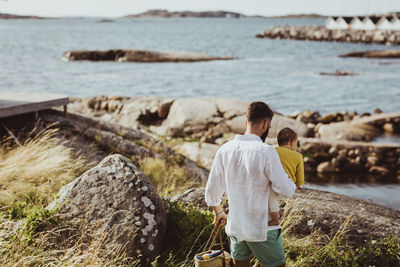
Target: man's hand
220, 220
220, 216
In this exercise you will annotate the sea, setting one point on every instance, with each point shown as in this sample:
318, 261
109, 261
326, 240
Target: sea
283, 73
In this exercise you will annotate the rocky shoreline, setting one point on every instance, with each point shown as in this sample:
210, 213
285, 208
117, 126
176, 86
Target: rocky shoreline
140, 56
330, 143
321, 33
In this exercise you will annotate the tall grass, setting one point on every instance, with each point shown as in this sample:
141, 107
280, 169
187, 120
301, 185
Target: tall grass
42, 165
48, 250
169, 179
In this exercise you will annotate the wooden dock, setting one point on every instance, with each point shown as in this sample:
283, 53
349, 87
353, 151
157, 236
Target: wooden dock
12, 103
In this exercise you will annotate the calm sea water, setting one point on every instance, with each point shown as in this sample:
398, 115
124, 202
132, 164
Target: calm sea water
283, 73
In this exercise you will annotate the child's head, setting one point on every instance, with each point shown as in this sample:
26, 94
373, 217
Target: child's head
288, 138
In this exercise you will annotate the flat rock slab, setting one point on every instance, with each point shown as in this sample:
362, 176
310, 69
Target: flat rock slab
141, 56
374, 54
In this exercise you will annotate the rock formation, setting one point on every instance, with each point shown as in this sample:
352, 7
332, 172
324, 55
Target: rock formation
374, 54
11, 16
208, 119
118, 200
338, 73
142, 56
321, 33
370, 159
133, 143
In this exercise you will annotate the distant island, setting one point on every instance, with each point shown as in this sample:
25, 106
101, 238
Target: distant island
302, 16
162, 13
11, 16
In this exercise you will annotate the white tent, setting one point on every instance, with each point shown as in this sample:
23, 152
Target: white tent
396, 23
331, 23
368, 24
341, 24
384, 24
356, 24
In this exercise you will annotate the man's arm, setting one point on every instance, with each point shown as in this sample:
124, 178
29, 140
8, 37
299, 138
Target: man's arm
280, 181
215, 189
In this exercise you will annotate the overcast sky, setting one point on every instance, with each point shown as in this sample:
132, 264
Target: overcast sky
115, 8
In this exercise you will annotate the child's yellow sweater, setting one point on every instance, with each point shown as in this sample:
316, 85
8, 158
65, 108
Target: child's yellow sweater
292, 162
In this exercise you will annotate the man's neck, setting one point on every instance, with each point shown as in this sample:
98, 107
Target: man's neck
248, 131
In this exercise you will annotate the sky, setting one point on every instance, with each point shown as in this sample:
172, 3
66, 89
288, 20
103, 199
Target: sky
117, 8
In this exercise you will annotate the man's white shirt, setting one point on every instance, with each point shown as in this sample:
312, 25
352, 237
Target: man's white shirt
245, 169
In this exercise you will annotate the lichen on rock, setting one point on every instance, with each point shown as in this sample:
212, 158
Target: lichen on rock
115, 197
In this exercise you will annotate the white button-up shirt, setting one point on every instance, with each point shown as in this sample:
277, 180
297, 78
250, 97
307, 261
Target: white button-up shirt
245, 169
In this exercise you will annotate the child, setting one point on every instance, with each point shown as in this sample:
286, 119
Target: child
292, 163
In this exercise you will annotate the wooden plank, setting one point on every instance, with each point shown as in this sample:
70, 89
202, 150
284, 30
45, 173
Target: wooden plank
12, 103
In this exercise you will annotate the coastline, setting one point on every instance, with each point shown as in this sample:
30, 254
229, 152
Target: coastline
331, 144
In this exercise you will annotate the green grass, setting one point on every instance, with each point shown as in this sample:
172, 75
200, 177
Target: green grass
167, 176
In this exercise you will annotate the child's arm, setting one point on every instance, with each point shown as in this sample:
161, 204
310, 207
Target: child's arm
300, 174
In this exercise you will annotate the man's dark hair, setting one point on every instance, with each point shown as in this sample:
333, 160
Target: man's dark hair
285, 136
258, 112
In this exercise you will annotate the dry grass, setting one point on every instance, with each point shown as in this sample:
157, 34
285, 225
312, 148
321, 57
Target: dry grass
43, 164
15, 251
167, 178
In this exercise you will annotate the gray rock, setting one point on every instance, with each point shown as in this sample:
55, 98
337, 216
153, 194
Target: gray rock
187, 116
237, 124
193, 196
279, 122
378, 171
202, 153
116, 198
230, 108
326, 167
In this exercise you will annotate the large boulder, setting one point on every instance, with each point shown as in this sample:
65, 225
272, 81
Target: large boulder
348, 130
116, 198
230, 108
238, 125
187, 116
279, 122
202, 153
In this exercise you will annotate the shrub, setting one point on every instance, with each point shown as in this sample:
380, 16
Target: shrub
384, 252
188, 230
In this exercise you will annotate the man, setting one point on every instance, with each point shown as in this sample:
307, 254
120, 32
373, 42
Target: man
245, 169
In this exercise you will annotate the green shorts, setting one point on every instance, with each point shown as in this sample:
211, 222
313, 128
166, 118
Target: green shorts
269, 253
